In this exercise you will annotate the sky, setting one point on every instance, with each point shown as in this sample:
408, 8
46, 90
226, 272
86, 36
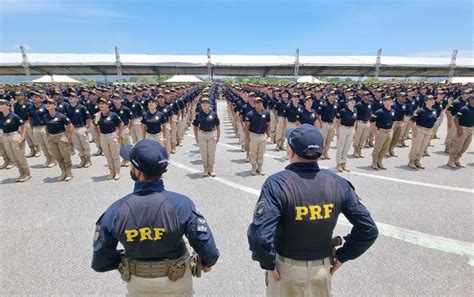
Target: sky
317, 27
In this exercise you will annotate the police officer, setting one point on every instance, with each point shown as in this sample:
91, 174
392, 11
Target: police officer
207, 131
81, 121
126, 115
304, 200
400, 112
110, 127
150, 223
257, 127
13, 139
154, 123
60, 132
21, 108
93, 107
137, 111
308, 115
362, 125
36, 117
452, 111
381, 125
292, 112
281, 120
464, 122
345, 121
425, 119
327, 113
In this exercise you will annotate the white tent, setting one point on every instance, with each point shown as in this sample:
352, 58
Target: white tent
463, 80
310, 79
183, 79
56, 79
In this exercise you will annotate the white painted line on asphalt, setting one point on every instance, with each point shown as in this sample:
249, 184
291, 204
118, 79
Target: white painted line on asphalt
410, 182
439, 243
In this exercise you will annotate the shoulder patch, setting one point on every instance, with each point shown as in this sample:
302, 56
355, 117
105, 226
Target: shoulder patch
260, 209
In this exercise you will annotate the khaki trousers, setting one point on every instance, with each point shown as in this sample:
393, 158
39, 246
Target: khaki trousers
280, 129
125, 137
273, 124
111, 148
41, 138
405, 128
160, 286
300, 278
420, 142
168, 139
156, 137
136, 130
450, 135
258, 145
59, 146
3, 153
29, 137
343, 143
328, 132
80, 141
96, 138
362, 131
15, 152
207, 147
382, 144
396, 134
174, 131
240, 130
438, 123
461, 144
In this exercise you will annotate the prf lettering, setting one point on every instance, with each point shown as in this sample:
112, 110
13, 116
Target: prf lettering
145, 233
314, 212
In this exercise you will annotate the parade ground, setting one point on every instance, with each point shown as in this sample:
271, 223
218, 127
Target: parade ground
425, 219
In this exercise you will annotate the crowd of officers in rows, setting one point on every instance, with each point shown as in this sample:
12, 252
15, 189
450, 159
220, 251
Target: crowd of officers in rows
57, 122
382, 117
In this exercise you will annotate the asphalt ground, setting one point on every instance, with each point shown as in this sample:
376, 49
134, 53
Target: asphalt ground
425, 218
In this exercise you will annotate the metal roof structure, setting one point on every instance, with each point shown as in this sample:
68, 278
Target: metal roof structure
231, 65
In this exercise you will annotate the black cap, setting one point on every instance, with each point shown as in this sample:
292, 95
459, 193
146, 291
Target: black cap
306, 141
148, 156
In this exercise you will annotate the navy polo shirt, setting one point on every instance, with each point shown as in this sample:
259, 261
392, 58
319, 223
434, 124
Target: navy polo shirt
136, 108
109, 123
165, 110
37, 114
123, 112
56, 124
258, 121
78, 115
400, 110
206, 121
92, 108
363, 111
410, 107
308, 116
347, 117
456, 106
292, 112
10, 123
280, 107
424, 117
62, 106
376, 104
466, 116
297, 212
328, 111
22, 109
383, 118
153, 121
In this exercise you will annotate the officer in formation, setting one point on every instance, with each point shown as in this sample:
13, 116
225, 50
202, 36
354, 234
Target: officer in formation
13, 139
21, 108
154, 123
82, 123
207, 131
422, 124
464, 123
302, 200
257, 128
381, 126
150, 223
362, 125
345, 121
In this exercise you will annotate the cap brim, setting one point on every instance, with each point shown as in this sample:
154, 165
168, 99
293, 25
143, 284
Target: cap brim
125, 151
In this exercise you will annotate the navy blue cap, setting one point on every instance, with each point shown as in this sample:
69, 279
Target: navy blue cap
306, 141
148, 156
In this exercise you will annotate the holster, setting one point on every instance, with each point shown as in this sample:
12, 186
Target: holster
196, 265
177, 269
336, 241
124, 269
